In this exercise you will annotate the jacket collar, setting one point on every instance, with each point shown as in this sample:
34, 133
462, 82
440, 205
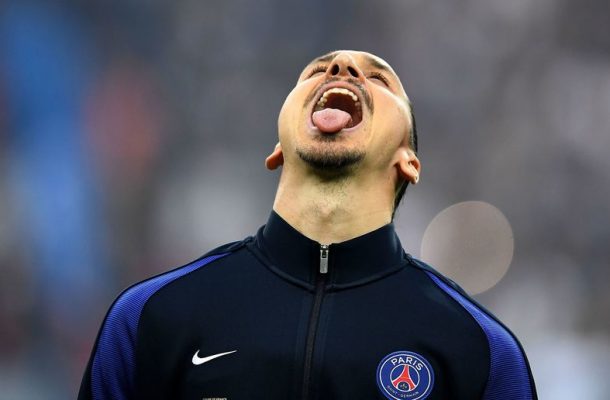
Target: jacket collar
355, 261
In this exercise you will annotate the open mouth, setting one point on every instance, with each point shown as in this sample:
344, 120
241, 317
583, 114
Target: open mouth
338, 108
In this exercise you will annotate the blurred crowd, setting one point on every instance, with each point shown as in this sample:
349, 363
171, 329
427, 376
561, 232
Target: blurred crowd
133, 134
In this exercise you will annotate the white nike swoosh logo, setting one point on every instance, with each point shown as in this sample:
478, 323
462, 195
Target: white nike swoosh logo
199, 360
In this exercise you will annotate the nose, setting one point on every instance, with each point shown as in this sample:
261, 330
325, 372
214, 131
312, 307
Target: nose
344, 66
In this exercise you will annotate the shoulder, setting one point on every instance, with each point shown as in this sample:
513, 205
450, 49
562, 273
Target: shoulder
133, 299
510, 374
124, 314
110, 373
459, 296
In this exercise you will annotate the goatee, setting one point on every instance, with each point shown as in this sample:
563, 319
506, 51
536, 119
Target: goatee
330, 160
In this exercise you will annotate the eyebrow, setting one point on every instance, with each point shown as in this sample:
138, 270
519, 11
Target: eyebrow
379, 65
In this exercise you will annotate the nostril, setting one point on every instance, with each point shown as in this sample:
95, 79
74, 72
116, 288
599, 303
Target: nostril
352, 72
334, 70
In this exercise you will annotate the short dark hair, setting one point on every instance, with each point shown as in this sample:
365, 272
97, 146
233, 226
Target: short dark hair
402, 186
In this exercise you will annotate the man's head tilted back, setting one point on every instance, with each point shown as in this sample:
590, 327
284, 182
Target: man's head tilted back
327, 260
348, 121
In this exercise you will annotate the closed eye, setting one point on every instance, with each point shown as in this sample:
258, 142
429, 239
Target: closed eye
379, 77
316, 70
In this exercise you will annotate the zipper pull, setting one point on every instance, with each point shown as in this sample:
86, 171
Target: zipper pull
324, 258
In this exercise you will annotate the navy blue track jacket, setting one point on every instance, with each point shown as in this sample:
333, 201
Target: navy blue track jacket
279, 316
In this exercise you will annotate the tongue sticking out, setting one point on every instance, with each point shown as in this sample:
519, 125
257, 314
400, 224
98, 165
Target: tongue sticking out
330, 120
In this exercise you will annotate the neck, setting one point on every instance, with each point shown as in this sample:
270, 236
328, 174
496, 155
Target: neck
333, 210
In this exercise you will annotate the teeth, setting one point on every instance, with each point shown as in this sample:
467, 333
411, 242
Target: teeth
347, 92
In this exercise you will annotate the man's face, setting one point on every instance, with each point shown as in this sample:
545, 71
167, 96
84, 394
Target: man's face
348, 110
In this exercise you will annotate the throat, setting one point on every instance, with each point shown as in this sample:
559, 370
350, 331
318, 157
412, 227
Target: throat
332, 212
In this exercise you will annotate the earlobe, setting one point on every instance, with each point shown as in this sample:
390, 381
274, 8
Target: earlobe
408, 166
275, 159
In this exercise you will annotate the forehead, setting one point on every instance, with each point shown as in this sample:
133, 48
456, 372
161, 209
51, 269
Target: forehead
358, 56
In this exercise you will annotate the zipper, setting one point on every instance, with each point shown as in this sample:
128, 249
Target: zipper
324, 258
314, 317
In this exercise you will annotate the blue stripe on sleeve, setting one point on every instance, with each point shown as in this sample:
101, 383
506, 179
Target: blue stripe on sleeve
508, 375
113, 366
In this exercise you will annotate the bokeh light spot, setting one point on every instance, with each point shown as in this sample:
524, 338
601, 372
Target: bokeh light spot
470, 242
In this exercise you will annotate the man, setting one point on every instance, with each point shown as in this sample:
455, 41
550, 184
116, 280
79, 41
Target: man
322, 303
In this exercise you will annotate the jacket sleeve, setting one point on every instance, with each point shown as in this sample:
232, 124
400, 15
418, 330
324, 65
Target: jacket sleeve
110, 371
509, 376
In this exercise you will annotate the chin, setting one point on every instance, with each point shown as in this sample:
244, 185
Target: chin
327, 155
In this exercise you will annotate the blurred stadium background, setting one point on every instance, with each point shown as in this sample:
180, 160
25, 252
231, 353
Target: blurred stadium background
133, 134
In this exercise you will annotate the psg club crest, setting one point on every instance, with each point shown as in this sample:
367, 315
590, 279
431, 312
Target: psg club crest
404, 375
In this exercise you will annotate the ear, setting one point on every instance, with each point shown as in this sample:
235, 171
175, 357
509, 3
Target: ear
275, 159
408, 165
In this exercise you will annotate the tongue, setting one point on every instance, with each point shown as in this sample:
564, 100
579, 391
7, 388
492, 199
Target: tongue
331, 120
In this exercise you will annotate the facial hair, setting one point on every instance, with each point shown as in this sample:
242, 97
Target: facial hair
329, 160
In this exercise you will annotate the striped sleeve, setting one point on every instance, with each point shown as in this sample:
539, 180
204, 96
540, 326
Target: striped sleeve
509, 374
110, 373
